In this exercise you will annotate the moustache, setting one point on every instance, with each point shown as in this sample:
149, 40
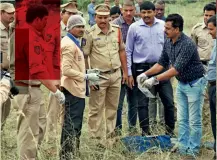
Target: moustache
146, 17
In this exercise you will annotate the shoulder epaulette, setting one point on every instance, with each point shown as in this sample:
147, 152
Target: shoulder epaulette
115, 25
90, 30
197, 25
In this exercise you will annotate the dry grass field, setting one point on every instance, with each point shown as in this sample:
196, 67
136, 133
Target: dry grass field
192, 14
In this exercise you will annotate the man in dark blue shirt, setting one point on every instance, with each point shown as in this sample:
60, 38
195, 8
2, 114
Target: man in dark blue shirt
181, 54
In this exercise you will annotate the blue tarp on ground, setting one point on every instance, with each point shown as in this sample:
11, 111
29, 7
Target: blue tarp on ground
141, 144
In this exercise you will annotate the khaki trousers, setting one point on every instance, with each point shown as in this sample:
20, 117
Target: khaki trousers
6, 107
104, 102
53, 114
31, 123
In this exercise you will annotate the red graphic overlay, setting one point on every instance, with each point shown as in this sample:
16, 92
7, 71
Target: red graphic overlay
37, 43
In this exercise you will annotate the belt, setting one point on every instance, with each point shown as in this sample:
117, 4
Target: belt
212, 83
110, 71
204, 62
26, 85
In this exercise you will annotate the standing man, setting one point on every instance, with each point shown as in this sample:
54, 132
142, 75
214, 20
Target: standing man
74, 86
200, 35
181, 54
144, 45
155, 104
91, 12
107, 2
137, 5
7, 16
160, 9
30, 95
52, 37
105, 47
211, 76
124, 21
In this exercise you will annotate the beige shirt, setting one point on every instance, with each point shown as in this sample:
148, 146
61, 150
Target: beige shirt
73, 68
202, 38
63, 29
5, 35
103, 49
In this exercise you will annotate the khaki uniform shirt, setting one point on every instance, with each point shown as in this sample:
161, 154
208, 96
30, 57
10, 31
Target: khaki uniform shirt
103, 49
5, 35
63, 29
202, 38
73, 68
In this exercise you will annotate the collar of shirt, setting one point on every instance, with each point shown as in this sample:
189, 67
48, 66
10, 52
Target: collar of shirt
142, 23
2, 26
179, 38
35, 31
111, 29
204, 26
63, 26
74, 39
123, 21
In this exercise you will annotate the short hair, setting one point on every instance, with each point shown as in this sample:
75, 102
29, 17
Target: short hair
128, 3
212, 20
147, 6
177, 21
160, 2
209, 7
34, 11
114, 10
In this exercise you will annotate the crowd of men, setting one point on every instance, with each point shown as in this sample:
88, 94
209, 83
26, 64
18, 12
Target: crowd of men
127, 47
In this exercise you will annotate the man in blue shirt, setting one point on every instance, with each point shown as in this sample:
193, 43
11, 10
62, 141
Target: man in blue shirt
91, 12
211, 76
181, 54
144, 45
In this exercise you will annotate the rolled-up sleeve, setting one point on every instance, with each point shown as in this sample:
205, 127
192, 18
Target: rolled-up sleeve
130, 48
164, 58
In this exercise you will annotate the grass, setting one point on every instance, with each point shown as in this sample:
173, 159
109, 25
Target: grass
192, 13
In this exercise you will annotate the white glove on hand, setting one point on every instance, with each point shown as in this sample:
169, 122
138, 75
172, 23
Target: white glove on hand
92, 77
141, 78
60, 96
149, 83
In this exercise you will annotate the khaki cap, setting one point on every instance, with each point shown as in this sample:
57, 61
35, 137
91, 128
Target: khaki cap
70, 7
102, 9
7, 7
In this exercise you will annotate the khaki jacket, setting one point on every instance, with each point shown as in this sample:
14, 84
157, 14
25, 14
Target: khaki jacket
73, 68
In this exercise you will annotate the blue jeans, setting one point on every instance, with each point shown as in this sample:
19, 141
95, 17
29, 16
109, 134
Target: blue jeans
190, 98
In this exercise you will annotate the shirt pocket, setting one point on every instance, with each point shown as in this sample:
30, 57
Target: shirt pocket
115, 44
202, 42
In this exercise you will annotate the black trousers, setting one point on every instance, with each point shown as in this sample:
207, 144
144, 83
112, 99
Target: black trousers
212, 102
72, 125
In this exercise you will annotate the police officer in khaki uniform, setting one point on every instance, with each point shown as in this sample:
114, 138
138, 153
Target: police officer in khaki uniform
104, 45
30, 95
7, 16
200, 35
68, 9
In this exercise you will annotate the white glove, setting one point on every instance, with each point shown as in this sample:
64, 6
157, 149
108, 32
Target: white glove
60, 96
149, 83
141, 78
92, 77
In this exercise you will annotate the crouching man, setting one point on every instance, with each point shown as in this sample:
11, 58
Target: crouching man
73, 83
